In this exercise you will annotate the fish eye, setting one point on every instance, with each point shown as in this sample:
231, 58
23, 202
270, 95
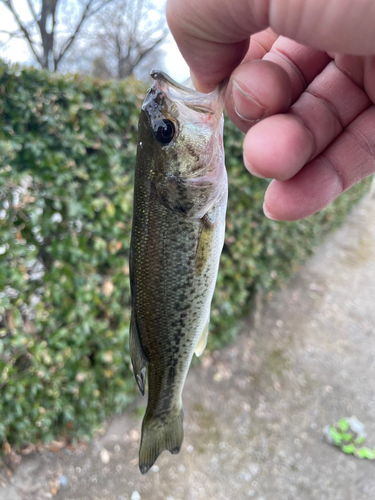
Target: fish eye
165, 131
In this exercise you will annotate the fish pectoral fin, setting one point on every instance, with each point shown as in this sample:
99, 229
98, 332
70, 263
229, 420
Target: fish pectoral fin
204, 243
202, 342
138, 357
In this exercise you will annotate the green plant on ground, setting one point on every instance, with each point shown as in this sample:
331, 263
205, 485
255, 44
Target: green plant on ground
349, 434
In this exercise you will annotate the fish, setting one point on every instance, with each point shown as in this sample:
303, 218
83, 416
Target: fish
180, 199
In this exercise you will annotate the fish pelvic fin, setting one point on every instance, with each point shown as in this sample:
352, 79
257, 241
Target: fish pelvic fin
203, 338
158, 436
138, 357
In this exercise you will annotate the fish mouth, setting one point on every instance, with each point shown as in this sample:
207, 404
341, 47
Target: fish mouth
212, 103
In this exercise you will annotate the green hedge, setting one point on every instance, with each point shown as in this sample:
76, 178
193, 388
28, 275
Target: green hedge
67, 151
260, 255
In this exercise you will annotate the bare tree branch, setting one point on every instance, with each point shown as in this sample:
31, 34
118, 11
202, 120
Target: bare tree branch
52, 50
85, 15
23, 28
12, 34
123, 35
70, 40
143, 54
32, 10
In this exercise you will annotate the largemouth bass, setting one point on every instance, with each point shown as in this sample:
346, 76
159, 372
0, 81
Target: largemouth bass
180, 198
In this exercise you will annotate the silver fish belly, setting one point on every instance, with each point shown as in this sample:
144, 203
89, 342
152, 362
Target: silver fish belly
180, 198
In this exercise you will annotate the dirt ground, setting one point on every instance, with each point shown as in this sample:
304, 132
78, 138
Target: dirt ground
254, 412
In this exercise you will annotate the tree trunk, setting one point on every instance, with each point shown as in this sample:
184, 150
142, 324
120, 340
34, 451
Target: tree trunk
46, 24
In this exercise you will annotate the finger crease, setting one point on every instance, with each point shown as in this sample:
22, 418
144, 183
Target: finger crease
328, 105
308, 127
293, 65
337, 170
260, 45
362, 142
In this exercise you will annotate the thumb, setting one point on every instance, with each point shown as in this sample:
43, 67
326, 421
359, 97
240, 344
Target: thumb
213, 35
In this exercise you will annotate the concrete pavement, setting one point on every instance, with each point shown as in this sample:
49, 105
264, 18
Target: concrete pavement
254, 412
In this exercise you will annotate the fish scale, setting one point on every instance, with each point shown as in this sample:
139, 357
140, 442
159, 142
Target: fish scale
180, 195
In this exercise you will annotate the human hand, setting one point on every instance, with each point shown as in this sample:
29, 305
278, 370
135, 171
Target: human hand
306, 102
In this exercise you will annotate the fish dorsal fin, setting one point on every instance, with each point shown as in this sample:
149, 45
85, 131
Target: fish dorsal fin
203, 339
138, 357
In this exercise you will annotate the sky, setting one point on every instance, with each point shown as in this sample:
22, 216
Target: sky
175, 63
17, 51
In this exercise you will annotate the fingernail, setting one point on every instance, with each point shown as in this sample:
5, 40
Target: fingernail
246, 107
267, 213
249, 167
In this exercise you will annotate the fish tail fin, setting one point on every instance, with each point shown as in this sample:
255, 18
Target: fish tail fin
157, 437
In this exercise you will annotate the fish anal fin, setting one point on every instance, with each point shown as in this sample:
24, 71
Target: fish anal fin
158, 436
202, 342
138, 357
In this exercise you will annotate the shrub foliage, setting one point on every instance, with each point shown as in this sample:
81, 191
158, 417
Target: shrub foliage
67, 155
